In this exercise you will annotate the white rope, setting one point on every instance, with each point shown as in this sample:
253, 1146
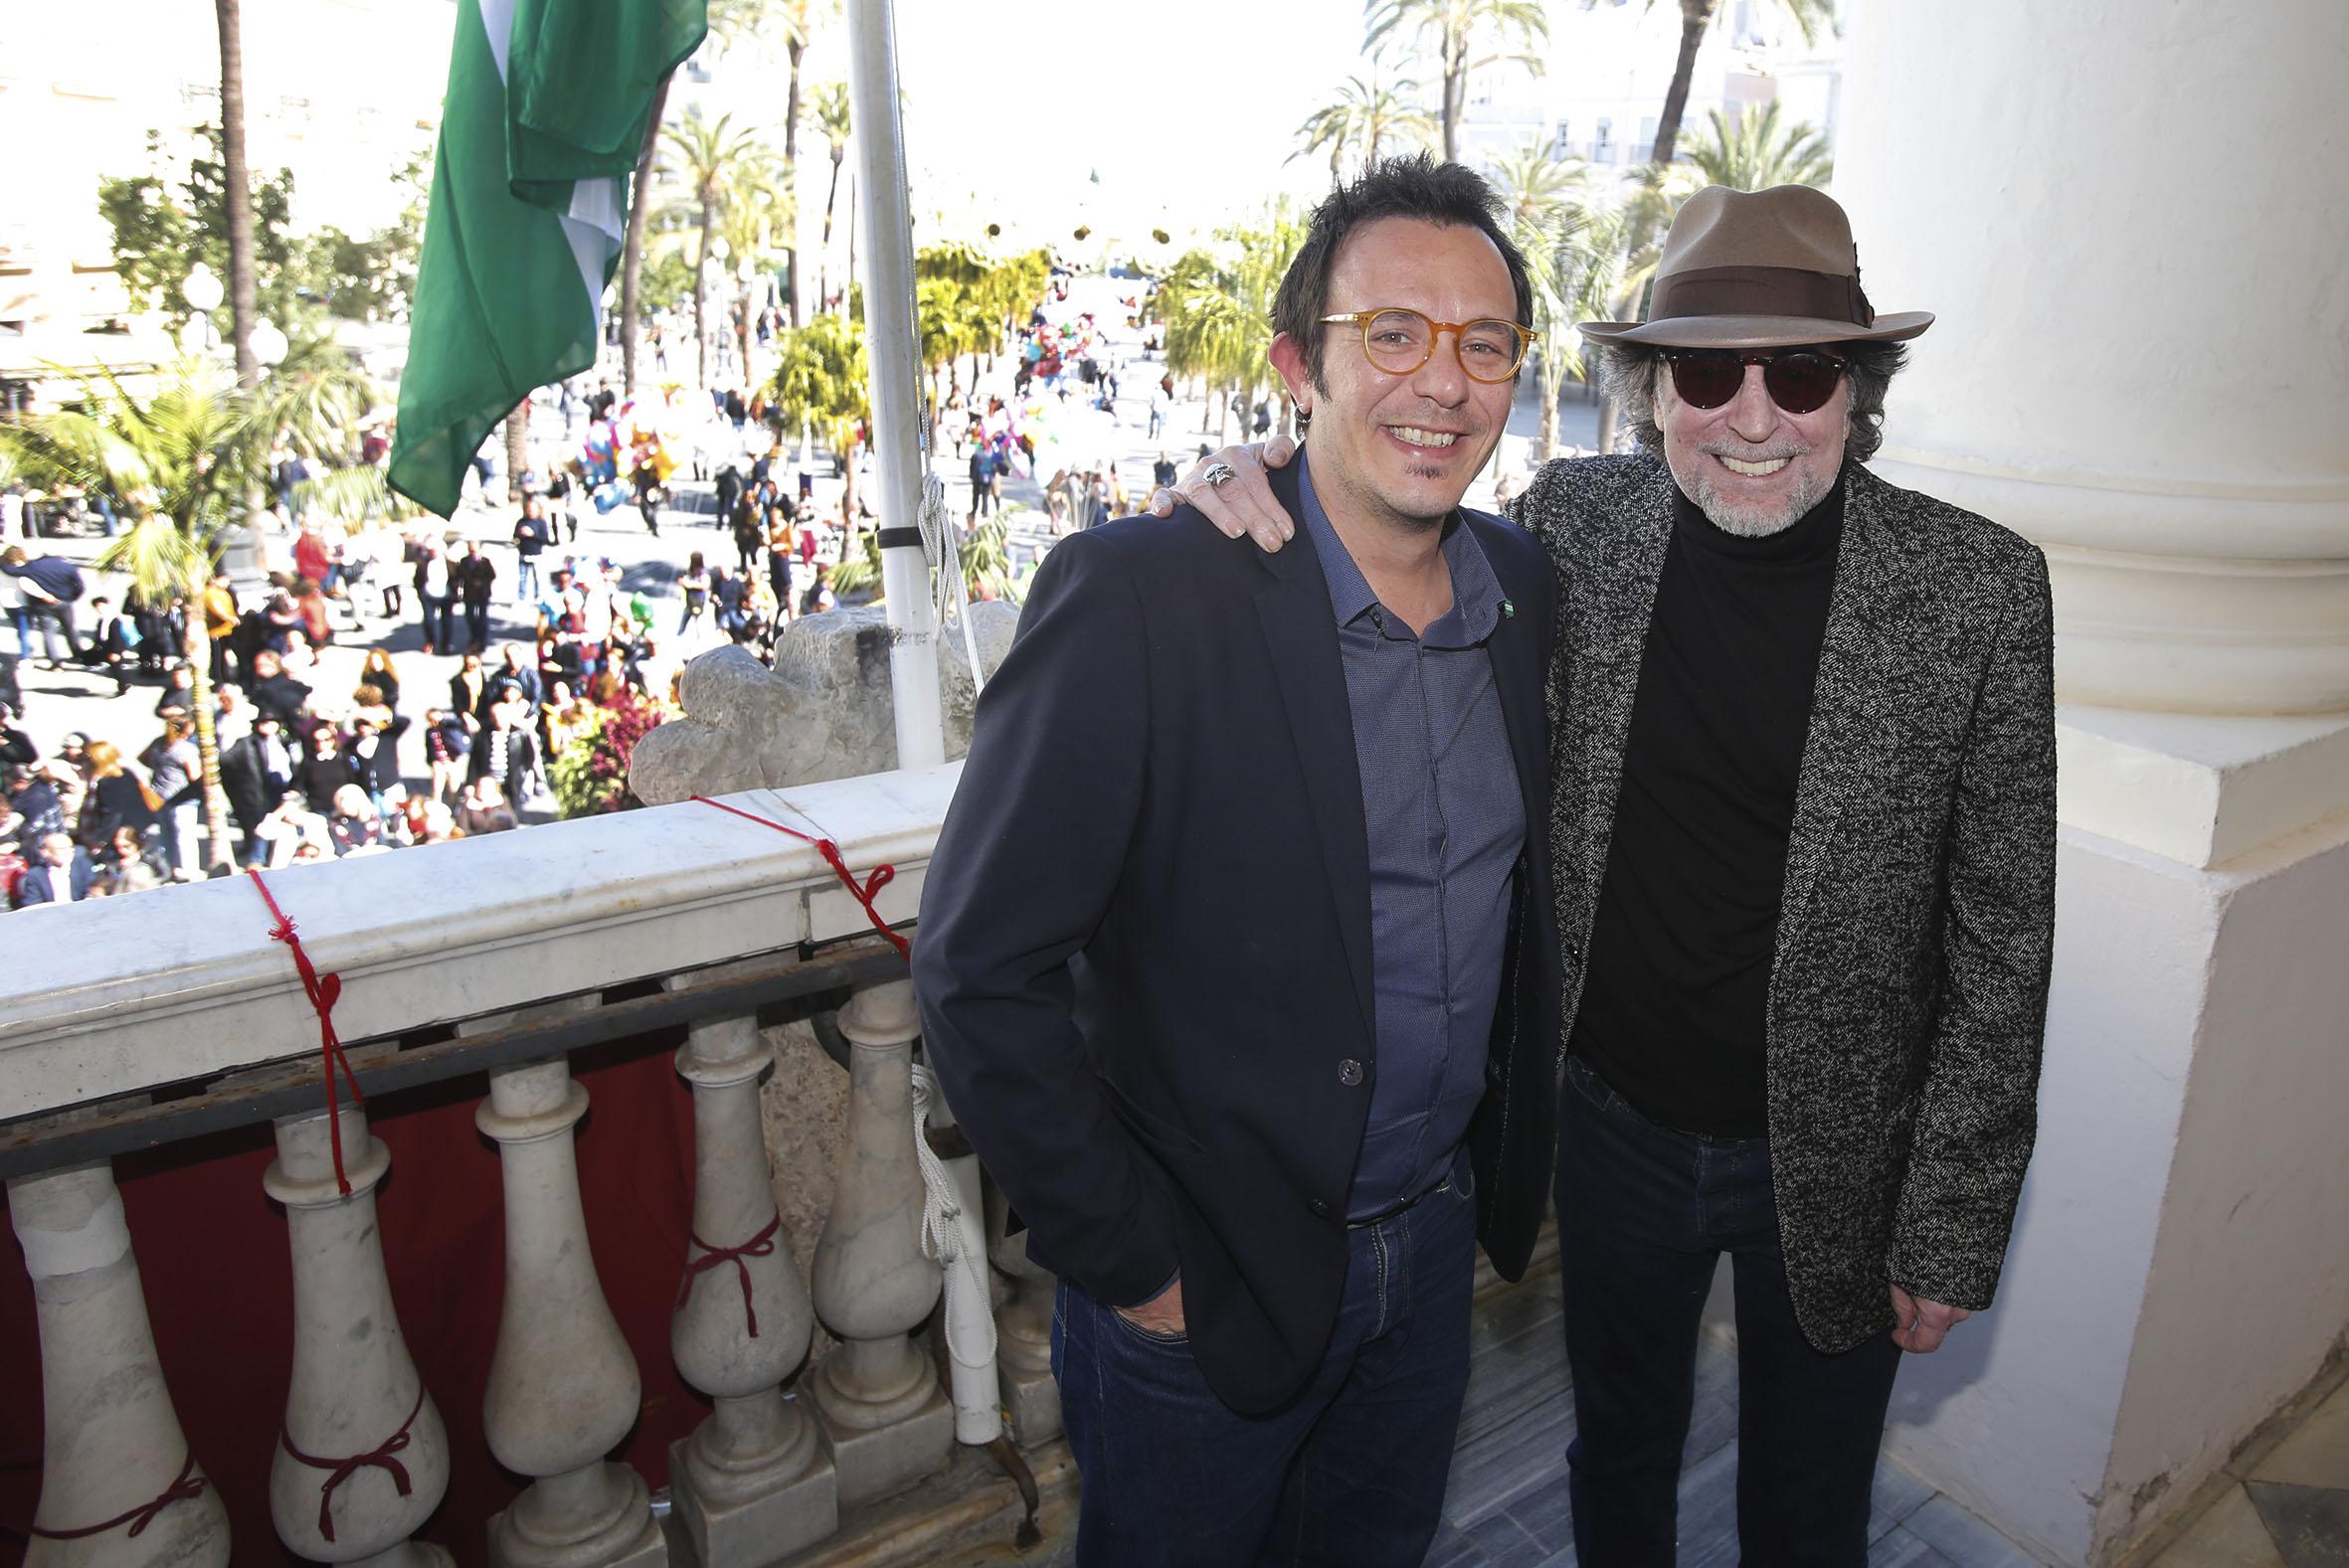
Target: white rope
942, 1213
942, 543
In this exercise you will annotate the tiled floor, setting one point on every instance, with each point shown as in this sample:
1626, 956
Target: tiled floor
2287, 1508
1507, 1505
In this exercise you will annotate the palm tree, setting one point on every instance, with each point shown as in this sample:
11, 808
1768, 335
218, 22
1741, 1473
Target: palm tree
1696, 16
791, 23
751, 214
1536, 186
830, 105
229, 16
1461, 28
631, 255
1751, 152
1366, 114
710, 155
185, 456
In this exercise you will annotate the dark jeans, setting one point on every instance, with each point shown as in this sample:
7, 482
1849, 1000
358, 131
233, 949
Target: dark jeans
1644, 1213
1349, 1474
440, 623
477, 626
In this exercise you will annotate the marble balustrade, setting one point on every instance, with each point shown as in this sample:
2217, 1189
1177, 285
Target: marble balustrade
691, 896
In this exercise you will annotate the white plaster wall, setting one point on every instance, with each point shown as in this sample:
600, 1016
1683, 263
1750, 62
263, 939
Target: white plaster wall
2250, 1287
2015, 1415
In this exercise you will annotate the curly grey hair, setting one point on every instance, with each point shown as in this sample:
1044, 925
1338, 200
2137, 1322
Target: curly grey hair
1629, 371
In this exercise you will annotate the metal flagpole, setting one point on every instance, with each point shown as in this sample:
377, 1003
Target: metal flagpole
892, 349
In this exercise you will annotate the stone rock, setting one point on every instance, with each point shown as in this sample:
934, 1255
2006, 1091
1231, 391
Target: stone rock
823, 712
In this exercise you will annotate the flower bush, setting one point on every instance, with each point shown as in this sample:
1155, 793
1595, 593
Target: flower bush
590, 774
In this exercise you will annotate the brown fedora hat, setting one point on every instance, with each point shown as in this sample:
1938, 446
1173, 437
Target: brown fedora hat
1759, 270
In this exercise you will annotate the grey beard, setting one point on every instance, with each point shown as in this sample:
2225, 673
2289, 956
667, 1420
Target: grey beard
1808, 493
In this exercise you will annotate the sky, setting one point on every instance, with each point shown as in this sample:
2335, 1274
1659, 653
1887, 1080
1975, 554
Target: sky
1192, 109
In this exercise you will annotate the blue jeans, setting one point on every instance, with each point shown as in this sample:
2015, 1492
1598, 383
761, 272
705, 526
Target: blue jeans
526, 580
1349, 1474
1644, 1213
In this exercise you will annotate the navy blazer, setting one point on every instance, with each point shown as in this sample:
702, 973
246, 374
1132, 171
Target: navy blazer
1145, 945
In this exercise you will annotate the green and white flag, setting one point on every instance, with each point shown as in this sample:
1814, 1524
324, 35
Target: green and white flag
543, 123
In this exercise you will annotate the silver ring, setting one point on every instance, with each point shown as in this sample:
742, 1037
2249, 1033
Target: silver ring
1217, 474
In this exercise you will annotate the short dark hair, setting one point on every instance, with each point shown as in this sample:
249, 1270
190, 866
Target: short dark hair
1631, 369
1416, 186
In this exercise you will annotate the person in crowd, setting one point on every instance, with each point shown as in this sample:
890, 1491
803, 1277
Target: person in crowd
378, 670
116, 795
255, 773
232, 716
506, 749
111, 640
375, 756
61, 873
292, 833
694, 587
178, 695
277, 694
33, 798
51, 586
819, 596
533, 534
476, 576
310, 604
222, 617
436, 593
355, 824
447, 749
130, 862
1768, 641
469, 689
483, 808
1261, 1168
782, 542
324, 768
175, 776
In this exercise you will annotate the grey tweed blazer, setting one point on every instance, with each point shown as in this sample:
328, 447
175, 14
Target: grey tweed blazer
1908, 992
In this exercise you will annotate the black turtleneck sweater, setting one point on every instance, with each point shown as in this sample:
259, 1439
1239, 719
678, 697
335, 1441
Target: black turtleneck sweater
1675, 1008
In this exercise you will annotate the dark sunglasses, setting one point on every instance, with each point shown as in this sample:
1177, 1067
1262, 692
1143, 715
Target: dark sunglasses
1798, 380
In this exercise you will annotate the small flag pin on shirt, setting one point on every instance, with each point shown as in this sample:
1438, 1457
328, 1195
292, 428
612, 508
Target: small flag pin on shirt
1508, 608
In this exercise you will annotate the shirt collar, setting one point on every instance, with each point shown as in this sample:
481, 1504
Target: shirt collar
1475, 591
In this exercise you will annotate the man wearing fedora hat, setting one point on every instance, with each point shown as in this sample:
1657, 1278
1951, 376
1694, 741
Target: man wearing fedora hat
1803, 774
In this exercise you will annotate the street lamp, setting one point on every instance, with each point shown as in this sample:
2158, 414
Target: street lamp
268, 343
201, 290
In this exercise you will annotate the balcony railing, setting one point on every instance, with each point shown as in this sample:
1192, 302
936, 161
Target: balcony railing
135, 1022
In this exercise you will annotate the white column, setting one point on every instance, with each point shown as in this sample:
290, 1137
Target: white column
879, 1392
2138, 364
373, 1458
753, 1482
113, 1449
563, 1388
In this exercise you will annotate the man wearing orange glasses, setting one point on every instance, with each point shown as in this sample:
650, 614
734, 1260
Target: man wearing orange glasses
1804, 840
1236, 957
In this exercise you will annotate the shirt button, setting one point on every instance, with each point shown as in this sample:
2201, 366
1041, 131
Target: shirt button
1350, 1072
1321, 1210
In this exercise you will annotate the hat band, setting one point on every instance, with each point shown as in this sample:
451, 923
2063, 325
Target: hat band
1761, 291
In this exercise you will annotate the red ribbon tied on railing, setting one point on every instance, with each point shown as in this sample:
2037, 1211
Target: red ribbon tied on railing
344, 1469
863, 892
186, 1484
324, 992
759, 1246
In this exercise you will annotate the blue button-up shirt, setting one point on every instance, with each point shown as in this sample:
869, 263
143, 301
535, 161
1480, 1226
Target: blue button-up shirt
1446, 821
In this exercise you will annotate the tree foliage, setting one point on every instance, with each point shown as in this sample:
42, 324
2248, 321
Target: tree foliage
1752, 151
1369, 119
1467, 36
160, 231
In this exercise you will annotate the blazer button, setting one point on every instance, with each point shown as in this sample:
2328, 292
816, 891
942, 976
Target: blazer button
1350, 1072
1321, 1210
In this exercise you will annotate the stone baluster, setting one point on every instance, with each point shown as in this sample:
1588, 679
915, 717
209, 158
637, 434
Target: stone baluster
1024, 1332
878, 1393
363, 1459
752, 1482
113, 1450
563, 1388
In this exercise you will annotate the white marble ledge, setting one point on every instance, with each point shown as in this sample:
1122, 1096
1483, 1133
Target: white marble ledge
117, 995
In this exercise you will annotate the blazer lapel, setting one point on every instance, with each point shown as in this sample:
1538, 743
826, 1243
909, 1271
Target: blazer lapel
1514, 654
1867, 634
1300, 637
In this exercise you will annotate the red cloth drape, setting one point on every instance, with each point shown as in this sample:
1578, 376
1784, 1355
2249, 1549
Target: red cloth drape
213, 1255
